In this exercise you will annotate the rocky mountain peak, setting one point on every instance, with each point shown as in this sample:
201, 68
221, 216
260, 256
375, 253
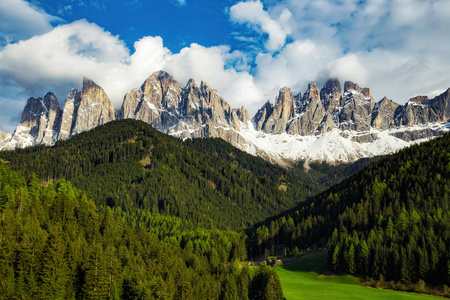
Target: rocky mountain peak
204, 86
94, 108
262, 115
39, 123
74, 95
191, 84
330, 94
194, 111
420, 100
384, 113
69, 114
311, 92
285, 97
332, 85
88, 84
349, 86
366, 92
34, 108
341, 124
51, 102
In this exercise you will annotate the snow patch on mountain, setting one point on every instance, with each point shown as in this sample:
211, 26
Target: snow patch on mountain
335, 146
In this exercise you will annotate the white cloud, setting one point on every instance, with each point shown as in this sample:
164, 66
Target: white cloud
59, 59
294, 66
180, 2
397, 48
348, 68
20, 20
210, 65
253, 13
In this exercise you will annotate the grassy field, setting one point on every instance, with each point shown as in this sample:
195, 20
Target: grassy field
306, 279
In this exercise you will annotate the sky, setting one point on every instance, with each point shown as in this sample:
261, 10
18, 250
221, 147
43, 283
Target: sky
246, 50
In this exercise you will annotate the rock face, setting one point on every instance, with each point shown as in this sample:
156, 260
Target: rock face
94, 108
358, 104
187, 112
39, 123
311, 113
43, 122
69, 114
274, 119
384, 114
331, 124
318, 111
85, 110
4, 139
421, 110
354, 110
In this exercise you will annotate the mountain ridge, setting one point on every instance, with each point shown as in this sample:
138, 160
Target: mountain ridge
296, 127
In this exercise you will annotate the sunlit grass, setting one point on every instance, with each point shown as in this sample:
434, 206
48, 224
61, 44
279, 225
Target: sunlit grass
307, 279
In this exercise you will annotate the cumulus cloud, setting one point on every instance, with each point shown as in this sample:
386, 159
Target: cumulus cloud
210, 64
397, 48
61, 57
294, 66
58, 60
20, 20
253, 14
348, 68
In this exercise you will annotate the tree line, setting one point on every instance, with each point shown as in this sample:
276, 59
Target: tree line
55, 243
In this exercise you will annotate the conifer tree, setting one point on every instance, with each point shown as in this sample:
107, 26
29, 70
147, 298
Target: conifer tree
96, 285
54, 273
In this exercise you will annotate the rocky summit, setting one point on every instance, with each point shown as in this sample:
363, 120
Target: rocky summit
328, 124
189, 112
43, 122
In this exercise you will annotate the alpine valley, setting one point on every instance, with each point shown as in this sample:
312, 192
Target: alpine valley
100, 204
330, 124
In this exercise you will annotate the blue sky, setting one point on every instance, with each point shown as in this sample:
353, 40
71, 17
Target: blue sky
179, 24
247, 50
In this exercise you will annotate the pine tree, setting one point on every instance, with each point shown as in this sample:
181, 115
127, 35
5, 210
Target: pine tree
96, 285
335, 263
55, 273
363, 258
350, 260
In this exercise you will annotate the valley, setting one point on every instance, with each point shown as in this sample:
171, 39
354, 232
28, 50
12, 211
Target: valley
206, 197
224, 150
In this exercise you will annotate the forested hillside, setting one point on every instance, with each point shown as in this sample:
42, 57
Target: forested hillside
56, 244
391, 219
130, 165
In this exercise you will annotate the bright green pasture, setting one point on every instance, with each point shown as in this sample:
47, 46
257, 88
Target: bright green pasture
306, 279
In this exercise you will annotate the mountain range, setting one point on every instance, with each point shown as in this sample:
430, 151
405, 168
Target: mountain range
327, 124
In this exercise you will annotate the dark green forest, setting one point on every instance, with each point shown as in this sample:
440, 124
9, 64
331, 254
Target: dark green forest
55, 243
140, 198
390, 221
130, 165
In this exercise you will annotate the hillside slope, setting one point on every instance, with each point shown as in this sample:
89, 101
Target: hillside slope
55, 243
130, 165
390, 219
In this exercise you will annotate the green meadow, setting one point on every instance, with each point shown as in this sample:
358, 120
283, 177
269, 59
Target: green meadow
307, 279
